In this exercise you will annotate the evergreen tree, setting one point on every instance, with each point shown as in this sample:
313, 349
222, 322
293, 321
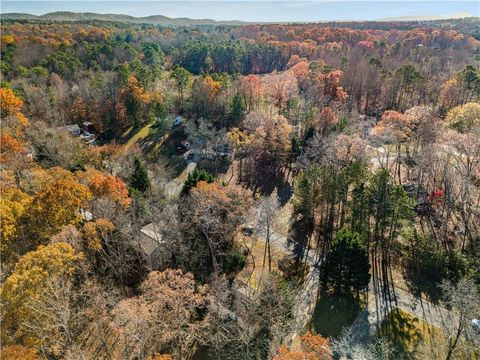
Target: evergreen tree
194, 177
238, 109
346, 266
140, 180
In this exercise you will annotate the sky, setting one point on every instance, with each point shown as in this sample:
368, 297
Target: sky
255, 10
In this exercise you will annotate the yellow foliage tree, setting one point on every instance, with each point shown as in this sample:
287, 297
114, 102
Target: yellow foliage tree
464, 117
27, 286
93, 232
7, 39
54, 206
12, 207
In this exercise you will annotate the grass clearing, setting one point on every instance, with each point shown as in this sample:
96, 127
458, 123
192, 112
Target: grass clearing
132, 136
413, 338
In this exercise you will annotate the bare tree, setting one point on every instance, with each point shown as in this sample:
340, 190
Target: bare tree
266, 213
463, 298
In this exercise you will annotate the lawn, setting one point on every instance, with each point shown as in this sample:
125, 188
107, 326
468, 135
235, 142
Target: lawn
407, 333
132, 136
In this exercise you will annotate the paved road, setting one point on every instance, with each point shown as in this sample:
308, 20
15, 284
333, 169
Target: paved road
174, 187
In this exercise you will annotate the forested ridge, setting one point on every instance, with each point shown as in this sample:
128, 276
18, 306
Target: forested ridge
260, 191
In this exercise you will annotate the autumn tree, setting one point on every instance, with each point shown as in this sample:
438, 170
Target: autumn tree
135, 99
15, 352
329, 87
396, 128
54, 206
211, 214
313, 347
326, 120
464, 118
194, 177
96, 232
170, 315
13, 204
252, 91
273, 144
108, 186
204, 97
11, 106
281, 87
461, 88
27, 290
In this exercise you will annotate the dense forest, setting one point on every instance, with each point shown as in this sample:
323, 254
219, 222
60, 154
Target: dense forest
260, 191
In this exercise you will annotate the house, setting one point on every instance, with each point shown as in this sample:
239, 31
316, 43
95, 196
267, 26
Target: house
85, 215
151, 246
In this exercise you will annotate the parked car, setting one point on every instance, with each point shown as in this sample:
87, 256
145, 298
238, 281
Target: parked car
476, 324
178, 120
247, 230
183, 147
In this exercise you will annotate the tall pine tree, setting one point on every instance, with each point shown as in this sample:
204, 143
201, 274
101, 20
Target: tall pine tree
140, 180
346, 266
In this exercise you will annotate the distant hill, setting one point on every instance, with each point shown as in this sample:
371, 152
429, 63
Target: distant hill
86, 16
461, 15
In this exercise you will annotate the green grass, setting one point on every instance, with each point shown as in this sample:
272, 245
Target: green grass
334, 313
407, 334
132, 136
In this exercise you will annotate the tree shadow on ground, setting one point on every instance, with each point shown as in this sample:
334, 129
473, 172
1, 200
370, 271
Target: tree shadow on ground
163, 150
422, 286
261, 181
403, 331
298, 234
333, 313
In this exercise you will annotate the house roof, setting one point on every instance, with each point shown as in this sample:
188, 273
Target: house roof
150, 238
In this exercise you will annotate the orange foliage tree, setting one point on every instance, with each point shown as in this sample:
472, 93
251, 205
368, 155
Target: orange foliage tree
109, 186
326, 120
17, 352
313, 347
11, 105
252, 91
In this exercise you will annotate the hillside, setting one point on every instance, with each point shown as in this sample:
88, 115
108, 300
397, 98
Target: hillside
87, 16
